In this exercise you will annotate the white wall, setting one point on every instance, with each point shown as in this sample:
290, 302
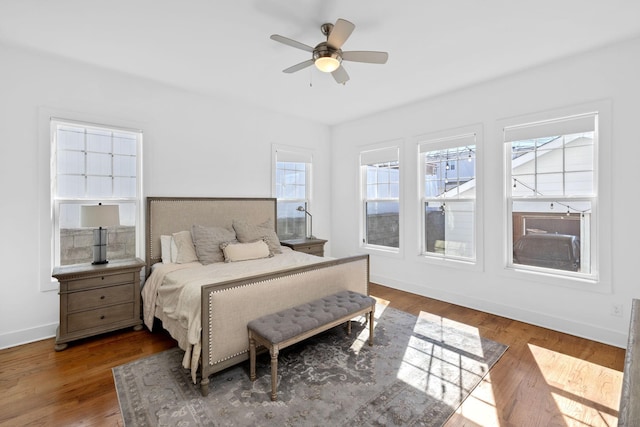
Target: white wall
609, 75
193, 146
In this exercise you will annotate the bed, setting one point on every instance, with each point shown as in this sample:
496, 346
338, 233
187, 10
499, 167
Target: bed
206, 303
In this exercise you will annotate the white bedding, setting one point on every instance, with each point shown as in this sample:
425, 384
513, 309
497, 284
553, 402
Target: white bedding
173, 293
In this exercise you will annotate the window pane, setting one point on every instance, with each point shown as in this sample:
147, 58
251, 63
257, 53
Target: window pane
549, 161
383, 223
99, 187
127, 214
579, 183
449, 228
98, 164
291, 222
70, 186
579, 158
124, 144
70, 138
552, 234
124, 187
523, 185
124, 166
550, 184
70, 162
99, 141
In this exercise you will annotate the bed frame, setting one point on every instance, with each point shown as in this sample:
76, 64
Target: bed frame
225, 343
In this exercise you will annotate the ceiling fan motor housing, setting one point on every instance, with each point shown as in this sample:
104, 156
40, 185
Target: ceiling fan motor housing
323, 50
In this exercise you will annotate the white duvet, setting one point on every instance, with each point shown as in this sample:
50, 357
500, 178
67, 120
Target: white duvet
174, 291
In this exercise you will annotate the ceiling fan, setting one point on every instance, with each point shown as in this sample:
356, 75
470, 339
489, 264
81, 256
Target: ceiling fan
328, 56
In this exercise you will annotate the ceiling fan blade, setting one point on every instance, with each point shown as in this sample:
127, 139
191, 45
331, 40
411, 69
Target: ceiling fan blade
291, 43
340, 33
340, 75
368, 56
298, 67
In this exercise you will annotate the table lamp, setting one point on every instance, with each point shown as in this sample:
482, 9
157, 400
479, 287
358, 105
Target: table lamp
100, 216
303, 209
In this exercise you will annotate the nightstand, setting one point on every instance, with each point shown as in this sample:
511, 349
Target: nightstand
98, 298
311, 246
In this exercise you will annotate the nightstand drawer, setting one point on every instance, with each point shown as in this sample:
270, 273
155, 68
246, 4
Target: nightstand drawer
100, 317
100, 297
313, 250
92, 282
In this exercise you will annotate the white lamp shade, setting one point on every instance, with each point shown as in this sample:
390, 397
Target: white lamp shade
99, 215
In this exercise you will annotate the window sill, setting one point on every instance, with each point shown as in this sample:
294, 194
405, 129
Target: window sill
583, 283
457, 263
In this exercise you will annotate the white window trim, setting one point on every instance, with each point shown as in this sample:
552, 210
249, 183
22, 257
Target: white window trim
601, 282
46, 246
376, 249
440, 140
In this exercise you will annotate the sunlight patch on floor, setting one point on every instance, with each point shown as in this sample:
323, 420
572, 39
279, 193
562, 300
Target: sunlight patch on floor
479, 409
582, 389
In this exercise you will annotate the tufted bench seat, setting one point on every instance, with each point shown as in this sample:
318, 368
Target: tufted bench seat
279, 330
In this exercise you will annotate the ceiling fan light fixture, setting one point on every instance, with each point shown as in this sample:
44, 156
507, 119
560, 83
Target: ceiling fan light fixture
326, 58
327, 64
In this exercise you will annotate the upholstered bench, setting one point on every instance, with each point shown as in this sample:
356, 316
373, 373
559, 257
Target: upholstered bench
279, 330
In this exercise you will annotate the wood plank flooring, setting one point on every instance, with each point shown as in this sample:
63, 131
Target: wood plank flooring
545, 378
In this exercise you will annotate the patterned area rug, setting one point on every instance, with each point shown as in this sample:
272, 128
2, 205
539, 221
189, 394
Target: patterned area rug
418, 372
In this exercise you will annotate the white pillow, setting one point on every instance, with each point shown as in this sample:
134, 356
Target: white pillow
245, 251
168, 249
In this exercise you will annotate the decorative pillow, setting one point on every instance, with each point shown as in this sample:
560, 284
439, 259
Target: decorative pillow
247, 233
234, 251
207, 241
168, 249
186, 249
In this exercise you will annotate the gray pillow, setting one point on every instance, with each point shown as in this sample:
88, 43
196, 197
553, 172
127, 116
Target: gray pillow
247, 233
207, 241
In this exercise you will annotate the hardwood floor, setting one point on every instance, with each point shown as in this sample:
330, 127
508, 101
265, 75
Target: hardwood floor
545, 378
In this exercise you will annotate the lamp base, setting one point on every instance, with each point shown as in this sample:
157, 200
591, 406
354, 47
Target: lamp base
99, 246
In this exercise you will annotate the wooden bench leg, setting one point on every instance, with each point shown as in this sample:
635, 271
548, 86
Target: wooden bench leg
274, 372
252, 357
371, 327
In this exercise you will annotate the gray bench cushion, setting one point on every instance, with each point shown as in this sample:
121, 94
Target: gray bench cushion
291, 322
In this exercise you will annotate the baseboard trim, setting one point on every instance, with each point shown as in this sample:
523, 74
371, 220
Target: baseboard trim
566, 326
25, 336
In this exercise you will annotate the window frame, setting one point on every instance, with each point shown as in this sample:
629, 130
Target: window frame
430, 144
290, 154
379, 149
600, 278
57, 201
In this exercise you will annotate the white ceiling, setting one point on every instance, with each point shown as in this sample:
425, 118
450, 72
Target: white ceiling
223, 47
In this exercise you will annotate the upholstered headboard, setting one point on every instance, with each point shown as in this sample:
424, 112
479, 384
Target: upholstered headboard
168, 215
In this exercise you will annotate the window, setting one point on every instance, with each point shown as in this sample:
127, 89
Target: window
94, 164
380, 177
292, 188
448, 191
552, 194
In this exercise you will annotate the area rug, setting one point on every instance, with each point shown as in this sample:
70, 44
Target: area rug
418, 372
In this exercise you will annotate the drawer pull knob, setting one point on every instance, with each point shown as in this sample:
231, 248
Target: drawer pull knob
102, 297
102, 317
102, 278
